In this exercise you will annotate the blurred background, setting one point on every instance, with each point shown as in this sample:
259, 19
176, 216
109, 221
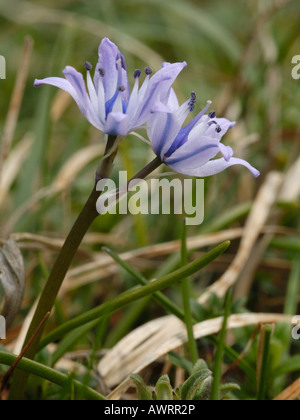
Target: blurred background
239, 55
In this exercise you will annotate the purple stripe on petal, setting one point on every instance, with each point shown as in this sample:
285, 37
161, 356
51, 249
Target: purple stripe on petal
199, 154
152, 96
164, 134
183, 134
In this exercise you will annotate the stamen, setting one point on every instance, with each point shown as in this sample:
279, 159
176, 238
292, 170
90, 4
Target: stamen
121, 58
212, 114
133, 99
148, 71
137, 74
218, 129
88, 66
91, 87
192, 102
101, 72
118, 105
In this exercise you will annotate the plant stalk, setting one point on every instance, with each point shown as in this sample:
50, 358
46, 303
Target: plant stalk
62, 264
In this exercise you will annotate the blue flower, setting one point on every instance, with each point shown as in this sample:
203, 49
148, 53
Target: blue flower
107, 102
191, 150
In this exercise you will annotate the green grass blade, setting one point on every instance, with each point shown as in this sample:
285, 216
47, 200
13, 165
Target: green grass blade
50, 375
263, 377
217, 375
188, 319
158, 296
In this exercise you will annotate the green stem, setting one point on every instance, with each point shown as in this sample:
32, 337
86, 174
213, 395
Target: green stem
215, 392
130, 296
67, 254
233, 356
188, 319
151, 167
63, 262
50, 375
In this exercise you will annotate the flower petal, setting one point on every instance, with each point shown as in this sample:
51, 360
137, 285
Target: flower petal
189, 130
117, 124
77, 82
75, 86
158, 89
213, 167
192, 156
64, 85
160, 107
163, 127
226, 151
168, 72
163, 135
172, 100
108, 54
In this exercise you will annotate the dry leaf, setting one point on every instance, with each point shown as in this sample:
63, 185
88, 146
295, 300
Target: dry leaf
291, 393
157, 338
12, 277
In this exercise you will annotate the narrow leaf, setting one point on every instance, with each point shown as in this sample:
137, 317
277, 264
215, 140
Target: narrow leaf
227, 388
194, 385
143, 392
164, 389
133, 295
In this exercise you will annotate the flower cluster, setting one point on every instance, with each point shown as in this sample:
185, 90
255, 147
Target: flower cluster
189, 150
107, 102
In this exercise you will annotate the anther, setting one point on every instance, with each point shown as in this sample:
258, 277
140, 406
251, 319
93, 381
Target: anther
148, 71
192, 102
212, 114
121, 88
218, 129
137, 74
122, 59
212, 123
88, 66
101, 72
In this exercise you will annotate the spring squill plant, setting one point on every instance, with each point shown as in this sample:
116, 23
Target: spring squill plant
108, 104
